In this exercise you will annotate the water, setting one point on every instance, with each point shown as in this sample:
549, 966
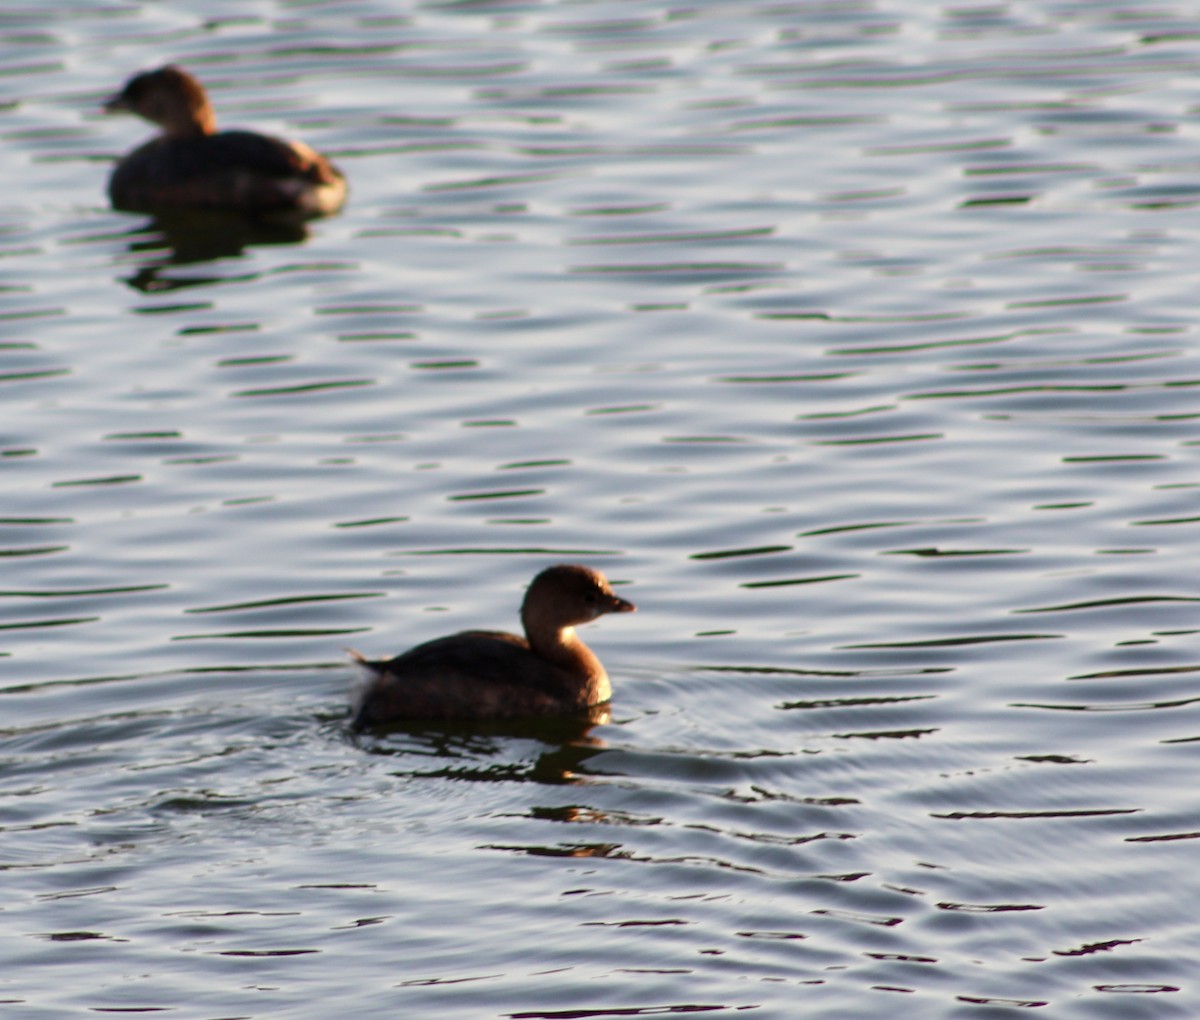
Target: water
856, 341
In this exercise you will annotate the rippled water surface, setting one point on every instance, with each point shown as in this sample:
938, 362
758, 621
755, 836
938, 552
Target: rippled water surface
856, 341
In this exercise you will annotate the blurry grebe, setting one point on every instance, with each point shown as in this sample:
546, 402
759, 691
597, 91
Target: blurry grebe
192, 165
486, 674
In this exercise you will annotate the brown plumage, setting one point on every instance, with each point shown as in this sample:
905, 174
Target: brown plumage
192, 165
483, 674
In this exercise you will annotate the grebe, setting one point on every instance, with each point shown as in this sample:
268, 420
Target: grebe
193, 165
485, 674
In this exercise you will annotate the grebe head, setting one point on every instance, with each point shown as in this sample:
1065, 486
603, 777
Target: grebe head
569, 594
169, 97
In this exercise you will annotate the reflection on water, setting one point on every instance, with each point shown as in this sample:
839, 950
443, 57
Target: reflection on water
861, 335
461, 752
194, 237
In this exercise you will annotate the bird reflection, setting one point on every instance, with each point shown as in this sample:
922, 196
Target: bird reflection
190, 237
483, 751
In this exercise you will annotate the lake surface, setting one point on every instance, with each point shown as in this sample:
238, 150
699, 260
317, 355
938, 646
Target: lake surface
855, 341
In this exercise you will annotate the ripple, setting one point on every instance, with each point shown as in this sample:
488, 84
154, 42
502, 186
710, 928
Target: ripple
303, 389
105, 480
52, 622
710, 270
1129, 600
724, 554
237, 607
33, 550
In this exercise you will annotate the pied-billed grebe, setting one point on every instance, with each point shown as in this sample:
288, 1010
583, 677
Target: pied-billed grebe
487, 674
193, 165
